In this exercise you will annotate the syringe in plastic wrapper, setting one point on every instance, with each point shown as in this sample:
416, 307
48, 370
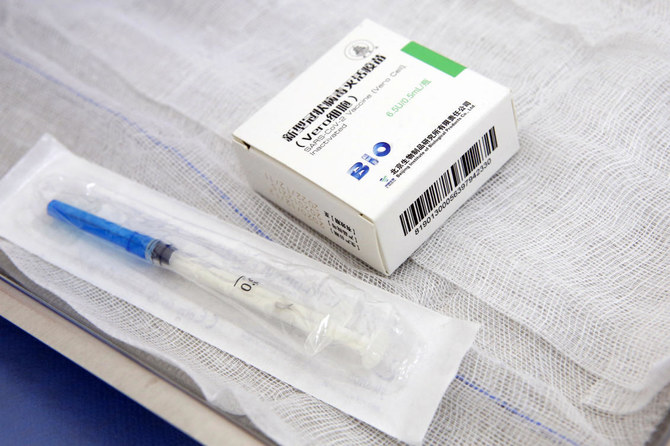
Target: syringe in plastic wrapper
239, 287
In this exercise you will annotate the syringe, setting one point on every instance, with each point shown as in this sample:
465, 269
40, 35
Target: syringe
247, 291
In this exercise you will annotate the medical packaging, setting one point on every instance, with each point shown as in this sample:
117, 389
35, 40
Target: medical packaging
369, 353
378, 142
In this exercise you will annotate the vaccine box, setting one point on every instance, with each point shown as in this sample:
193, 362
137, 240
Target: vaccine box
378, 143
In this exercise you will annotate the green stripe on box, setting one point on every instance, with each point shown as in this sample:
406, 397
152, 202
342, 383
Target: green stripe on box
433, 59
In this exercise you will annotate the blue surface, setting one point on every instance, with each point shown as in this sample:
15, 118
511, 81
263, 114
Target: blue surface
46, 399
131, 241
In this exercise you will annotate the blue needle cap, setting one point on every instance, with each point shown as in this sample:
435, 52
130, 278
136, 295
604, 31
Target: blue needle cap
141, 245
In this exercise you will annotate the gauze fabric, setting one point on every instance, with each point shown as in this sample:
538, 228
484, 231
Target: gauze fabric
563, 256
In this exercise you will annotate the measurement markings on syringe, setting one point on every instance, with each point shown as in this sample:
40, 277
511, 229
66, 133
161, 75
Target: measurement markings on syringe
434, 199
247, 283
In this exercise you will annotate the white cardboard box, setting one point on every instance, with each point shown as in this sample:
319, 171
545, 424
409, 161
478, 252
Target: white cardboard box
378, 142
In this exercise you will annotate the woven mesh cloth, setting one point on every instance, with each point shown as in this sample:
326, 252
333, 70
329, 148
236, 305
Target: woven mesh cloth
563, 257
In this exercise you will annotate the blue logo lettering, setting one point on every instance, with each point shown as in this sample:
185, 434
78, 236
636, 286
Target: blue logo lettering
381, 149
358, 170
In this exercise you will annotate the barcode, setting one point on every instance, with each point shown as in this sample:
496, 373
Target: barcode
448, 181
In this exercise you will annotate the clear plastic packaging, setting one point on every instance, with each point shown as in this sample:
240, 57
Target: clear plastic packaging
365, 351
297, 306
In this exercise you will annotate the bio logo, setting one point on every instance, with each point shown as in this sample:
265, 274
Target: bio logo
379, 150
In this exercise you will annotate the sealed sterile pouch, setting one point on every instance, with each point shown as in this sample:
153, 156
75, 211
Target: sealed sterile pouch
371, 354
